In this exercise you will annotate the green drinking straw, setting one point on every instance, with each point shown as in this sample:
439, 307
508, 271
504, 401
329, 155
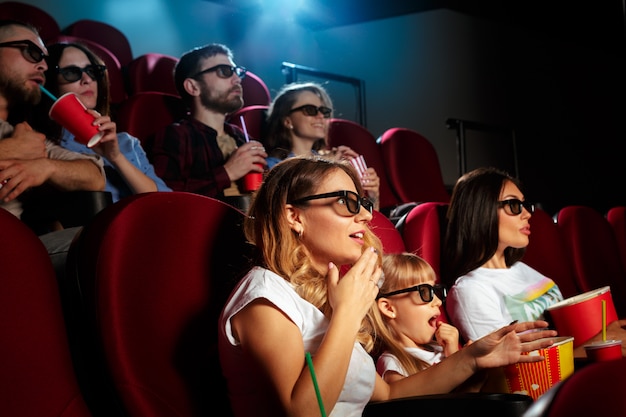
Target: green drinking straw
309, 362
48, 93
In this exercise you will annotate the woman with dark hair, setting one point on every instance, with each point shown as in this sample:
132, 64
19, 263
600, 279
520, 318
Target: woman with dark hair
74, 68
308, 219
486, 237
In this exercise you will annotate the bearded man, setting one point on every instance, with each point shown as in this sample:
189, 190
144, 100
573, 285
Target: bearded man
202, 153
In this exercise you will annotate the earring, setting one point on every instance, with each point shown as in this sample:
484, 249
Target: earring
300, 234
393, 315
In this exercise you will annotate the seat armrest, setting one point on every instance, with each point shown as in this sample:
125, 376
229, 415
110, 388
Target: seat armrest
67, 209
454, 404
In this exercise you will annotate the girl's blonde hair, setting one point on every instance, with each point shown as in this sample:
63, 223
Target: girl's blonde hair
280, 249
402, 270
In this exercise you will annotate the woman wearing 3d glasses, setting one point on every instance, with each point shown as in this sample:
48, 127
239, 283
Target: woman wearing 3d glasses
487, 234
74, 68
297, 124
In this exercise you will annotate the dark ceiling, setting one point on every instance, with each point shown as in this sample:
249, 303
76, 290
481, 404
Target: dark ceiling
598, 22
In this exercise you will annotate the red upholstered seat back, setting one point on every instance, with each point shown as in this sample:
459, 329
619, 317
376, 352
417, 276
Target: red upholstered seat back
254, 117
255, 92
36, 372
594, 390
423, 232
151, 72
412, 166
616, 217
105, 34
357, 137
387, 233
547, 254
144, 114
592, 249
43, 21
155, 270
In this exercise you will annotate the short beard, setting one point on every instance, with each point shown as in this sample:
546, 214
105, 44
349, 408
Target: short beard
20, 99
17, 94
218, 103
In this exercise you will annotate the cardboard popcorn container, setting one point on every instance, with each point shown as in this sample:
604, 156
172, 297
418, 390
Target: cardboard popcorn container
581, 316
534, 379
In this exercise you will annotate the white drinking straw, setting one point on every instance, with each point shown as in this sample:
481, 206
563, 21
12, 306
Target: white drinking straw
245, 131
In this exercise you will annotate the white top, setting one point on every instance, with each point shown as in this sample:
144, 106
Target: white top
248, 395
487, 299
389, 362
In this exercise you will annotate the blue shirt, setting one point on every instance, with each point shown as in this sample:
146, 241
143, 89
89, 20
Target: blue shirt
273, 160
132, 150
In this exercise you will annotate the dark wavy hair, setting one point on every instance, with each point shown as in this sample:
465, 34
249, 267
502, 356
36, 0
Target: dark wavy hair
471, 237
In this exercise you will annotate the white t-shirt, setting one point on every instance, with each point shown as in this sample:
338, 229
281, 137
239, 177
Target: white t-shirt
389, 362
487, 299
248, 395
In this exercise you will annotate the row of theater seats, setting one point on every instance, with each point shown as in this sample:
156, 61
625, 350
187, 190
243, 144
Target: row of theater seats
144, 99
130, 331
405, 160
401, 157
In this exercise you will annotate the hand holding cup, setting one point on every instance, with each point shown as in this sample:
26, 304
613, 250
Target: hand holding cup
70, 113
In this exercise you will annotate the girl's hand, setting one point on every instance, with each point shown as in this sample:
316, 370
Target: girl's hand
448, 337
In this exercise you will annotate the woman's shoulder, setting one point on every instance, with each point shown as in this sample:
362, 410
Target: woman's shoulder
272, 160
127, 137
478, 281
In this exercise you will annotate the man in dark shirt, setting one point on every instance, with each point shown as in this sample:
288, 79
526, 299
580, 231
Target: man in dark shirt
203, 154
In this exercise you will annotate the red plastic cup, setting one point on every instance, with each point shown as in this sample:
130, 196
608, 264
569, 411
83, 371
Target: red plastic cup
606, 350
70, 113
251, 181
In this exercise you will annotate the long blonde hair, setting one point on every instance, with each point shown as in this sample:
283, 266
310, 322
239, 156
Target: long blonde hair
280, 249
402, 270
